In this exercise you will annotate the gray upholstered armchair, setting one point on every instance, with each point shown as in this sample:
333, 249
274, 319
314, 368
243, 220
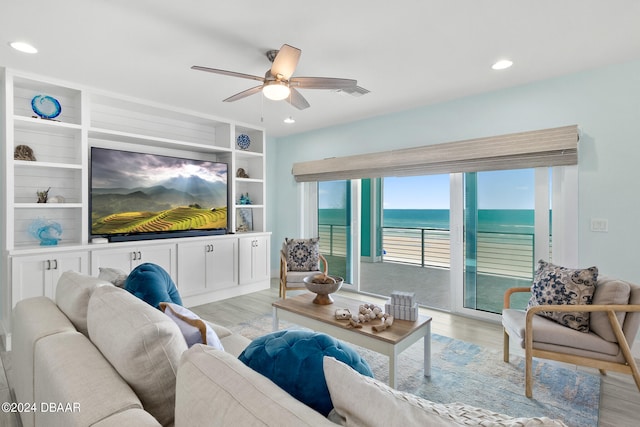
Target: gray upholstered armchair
614, 322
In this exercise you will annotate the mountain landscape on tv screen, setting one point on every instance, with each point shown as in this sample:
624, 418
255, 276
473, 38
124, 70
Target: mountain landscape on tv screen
180, 203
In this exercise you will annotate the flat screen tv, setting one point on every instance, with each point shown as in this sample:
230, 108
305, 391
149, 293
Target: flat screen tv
136, 196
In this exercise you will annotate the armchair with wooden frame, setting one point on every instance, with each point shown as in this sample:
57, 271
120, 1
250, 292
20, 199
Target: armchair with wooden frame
294, 280
614, 323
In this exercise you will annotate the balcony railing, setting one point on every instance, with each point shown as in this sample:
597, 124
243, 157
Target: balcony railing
333, 239
502, 254
417, 246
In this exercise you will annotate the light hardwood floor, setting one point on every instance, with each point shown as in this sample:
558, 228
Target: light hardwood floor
619, 401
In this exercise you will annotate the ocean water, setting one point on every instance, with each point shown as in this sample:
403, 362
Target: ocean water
489, 220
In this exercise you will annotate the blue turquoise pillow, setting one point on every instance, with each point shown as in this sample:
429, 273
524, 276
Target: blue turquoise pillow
293, 360
152, 284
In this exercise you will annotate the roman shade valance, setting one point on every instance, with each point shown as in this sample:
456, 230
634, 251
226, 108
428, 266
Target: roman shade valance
539, 148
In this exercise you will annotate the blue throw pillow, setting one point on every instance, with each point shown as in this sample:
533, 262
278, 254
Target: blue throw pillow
293, 360
152, 284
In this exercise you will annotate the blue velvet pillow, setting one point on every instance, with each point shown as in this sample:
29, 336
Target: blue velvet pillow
152, 284
293, 360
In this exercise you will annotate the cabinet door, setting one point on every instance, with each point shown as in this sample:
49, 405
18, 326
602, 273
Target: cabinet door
261, 259
222, 264
192, 257
76, 261
254, 262
38, 275
120, 258
30, 277
245, 255
162, 255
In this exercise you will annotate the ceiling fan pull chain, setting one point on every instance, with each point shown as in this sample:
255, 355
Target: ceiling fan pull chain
262, 108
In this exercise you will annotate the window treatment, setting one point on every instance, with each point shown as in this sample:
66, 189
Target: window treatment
539, 148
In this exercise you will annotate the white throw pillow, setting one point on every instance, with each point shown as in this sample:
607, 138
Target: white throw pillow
113, 275
194, 329
73, 291
363, 401
378, 404
141, 343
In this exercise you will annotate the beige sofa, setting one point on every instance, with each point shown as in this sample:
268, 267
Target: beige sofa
98, 356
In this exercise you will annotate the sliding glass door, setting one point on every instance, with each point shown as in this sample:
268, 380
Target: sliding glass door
500, 234
334, 226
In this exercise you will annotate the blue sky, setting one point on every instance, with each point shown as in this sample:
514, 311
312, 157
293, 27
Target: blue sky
513, 189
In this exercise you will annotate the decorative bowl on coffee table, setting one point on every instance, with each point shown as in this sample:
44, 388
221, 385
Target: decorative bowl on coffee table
323, 291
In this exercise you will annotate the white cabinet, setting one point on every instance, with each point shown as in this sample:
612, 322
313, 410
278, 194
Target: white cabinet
254, 258
37, 275
126, 258
207, 265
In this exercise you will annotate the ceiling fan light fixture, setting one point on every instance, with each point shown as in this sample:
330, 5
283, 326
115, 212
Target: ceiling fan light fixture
276, 90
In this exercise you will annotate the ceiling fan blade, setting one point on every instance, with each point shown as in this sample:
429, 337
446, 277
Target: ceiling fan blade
244, 94
355, 91
297, 100
286, 61
322, 83
227, 73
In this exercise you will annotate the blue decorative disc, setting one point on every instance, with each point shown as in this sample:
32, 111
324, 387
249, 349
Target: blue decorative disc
243, 141
46, 106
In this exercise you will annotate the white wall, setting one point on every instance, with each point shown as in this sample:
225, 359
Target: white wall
604, 103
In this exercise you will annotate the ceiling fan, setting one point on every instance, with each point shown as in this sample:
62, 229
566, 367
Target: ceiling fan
278, 83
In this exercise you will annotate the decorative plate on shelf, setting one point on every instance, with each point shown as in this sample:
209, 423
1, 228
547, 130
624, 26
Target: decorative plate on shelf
46, 107
243, 141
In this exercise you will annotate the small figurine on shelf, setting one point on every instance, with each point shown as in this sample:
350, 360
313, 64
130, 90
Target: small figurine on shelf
56, 199
46, 107
48, 232
24, 152
43, 195
241, 173
244, 199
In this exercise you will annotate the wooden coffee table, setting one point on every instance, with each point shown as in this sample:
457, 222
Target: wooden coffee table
390, 342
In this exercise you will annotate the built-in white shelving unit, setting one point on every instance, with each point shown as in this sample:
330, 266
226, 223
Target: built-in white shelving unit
91, 117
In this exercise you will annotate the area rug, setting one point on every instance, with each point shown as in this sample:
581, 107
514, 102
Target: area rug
468, 373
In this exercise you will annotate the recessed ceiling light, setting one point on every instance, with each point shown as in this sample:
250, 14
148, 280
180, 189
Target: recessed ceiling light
502, 64
289, 120
23, 47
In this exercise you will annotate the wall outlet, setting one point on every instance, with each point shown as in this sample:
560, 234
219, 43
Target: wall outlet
599, 225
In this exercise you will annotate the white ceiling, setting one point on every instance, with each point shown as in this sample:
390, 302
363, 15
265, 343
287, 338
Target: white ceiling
408, 53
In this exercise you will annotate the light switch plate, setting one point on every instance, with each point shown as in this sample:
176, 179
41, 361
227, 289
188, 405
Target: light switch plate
599, 225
